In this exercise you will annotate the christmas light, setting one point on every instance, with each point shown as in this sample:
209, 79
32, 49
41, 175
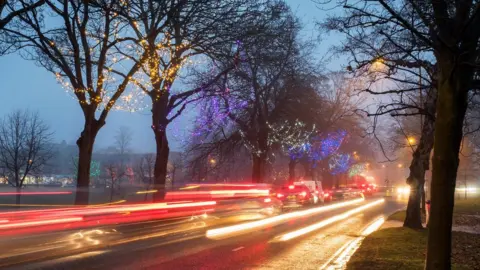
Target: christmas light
339, 163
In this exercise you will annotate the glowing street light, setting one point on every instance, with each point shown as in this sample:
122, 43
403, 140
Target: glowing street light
411, 140
400, 165
213, 161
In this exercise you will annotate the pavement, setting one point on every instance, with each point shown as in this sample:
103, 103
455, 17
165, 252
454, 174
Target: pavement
312, 241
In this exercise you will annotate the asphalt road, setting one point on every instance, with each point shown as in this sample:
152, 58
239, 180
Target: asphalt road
182, 244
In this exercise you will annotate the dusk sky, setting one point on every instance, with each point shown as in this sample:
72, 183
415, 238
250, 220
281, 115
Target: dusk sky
25, 85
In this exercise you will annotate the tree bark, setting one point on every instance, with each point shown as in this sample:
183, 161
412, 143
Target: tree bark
258, 168
159, 127
451, 107
291, 170
420, 163
18, 196
85, 149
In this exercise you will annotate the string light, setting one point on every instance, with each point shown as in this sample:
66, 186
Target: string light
339, 163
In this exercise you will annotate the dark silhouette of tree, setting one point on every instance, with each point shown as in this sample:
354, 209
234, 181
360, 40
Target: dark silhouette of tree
81, 47
252, 107
25, 146
144, 171
174, 34
123, 140
9, 9
410, 33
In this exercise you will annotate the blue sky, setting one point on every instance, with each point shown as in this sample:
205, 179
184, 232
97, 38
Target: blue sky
25, 85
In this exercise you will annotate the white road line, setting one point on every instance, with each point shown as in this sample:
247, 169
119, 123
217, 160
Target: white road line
237, 249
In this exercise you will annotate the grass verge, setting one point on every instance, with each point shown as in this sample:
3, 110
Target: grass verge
404, 248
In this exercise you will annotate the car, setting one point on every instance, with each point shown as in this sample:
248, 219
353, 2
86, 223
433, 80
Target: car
327, 196
295, 195
369, 189
315, 188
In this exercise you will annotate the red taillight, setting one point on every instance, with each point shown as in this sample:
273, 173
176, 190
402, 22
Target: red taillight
368, 189
267, 200
316, 192
325, 195
279, 195
303, 194
291, 187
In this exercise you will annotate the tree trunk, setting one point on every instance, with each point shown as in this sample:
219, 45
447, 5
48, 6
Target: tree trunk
18, 196
420, 163
159, 127
161, 162
422, 205
451, 107
258, 168
85, 149
291, 170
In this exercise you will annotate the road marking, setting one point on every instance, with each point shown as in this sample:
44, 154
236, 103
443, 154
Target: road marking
341, 257
237, 249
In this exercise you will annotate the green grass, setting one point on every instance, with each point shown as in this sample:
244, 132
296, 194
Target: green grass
405, 249
469, 206
391, 248
400, 216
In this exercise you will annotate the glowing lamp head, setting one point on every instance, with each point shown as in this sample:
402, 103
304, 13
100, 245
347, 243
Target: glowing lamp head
291, 187
303, 194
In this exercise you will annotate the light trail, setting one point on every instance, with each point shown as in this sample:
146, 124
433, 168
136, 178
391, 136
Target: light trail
55, 205
40, 222
341, 257
255, 225
36, 193
328, 221
146, 191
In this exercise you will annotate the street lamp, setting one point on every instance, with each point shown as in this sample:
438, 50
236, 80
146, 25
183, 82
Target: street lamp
400, 165
411, 140
213, 161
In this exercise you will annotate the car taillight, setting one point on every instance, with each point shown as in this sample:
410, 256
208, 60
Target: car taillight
279, 195
291, 187
303, 194
316, 192
325, 195
267, 200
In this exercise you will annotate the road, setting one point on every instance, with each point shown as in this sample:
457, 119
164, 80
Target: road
304, 242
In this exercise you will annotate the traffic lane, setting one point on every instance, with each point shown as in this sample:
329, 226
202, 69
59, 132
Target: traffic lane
306, 252
156, 252
27, 249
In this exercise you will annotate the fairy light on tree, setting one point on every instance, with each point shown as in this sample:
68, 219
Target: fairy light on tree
88, 57
176, 35
339, 163
357, 169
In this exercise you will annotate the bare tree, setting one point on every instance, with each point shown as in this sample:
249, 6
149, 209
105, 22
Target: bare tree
123, 139
115, 174
175, 34
25, 146
78, 48
447, 33
144, 171
9, 9
251, 106
175, 165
